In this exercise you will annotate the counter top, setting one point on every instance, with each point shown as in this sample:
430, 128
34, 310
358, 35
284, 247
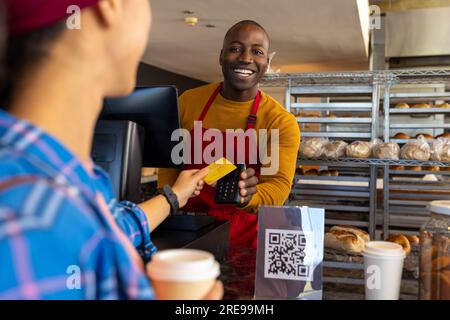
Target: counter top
238, 276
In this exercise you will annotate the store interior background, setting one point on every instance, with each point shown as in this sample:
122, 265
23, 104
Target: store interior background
306, 36
323, 36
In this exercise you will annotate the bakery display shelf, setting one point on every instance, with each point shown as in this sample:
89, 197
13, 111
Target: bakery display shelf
327, 90
331, 192
332, 134
421, 95
351, 198
347, 120
421, 76
420, 126
302, 178
403, 141
406, 196
394, 111
334, 106
326, 78
371, 161
423, 172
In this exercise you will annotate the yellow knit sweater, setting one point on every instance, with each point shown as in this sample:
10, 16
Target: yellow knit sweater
225, 114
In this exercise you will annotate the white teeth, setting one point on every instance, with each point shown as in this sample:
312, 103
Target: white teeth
244, 71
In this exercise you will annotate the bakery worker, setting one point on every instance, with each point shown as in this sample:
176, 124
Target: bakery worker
237, 103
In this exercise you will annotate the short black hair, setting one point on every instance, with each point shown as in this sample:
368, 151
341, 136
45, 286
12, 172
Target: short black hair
2, 44
244, 22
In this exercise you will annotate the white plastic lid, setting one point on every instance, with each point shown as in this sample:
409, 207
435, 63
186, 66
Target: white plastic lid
384, 248
440, 207
183, 265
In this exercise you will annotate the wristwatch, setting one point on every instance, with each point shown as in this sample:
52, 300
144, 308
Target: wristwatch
172, 199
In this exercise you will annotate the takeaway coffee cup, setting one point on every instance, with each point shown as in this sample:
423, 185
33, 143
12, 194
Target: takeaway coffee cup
383, 265
183, 274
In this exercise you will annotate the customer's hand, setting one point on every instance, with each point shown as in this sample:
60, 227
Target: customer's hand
216, 293
189, 184
247, 185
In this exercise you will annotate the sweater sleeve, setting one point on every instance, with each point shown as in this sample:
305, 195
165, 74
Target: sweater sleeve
274, 189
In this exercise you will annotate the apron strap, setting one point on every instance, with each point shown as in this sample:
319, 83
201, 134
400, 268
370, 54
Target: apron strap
251, 120
209, 103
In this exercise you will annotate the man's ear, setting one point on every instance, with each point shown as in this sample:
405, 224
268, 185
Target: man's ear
221, 57
108, 11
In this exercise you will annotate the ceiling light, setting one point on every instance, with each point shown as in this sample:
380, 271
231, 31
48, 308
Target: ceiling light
192, 21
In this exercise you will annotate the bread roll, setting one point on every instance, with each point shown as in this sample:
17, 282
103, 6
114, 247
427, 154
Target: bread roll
425, 135
299, 171
397, 168
415, 168
445, 135
354, 230
346, 239
402, 106
440, 150
416, 150
335, 149
444, 168
401, 240
421, 106
388, 150
334, 173
413, 239
311, 172
444, 105
401, 135
359, 149
432, 168
312, 148
325, 173
445, 155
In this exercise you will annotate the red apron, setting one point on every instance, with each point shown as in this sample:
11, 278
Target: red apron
243, 225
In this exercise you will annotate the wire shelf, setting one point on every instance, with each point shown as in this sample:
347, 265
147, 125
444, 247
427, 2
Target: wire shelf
371, 161
326, 78
357, 77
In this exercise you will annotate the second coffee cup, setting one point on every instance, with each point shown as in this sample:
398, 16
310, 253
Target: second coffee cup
383, 266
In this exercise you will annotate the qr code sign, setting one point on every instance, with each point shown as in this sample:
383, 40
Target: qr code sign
285, 255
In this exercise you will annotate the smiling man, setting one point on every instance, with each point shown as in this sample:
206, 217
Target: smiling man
236, 103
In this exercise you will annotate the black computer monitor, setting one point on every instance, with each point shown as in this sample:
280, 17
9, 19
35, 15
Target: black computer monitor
117, 148
133, 132
156, 110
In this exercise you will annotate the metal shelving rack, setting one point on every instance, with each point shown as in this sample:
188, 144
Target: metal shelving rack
405, 195
365, 92
357, 93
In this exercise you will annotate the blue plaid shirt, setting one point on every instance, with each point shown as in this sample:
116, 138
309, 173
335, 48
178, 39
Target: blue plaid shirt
63, 235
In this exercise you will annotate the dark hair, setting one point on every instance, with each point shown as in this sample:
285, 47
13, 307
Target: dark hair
244, 22
2, 43
24, 51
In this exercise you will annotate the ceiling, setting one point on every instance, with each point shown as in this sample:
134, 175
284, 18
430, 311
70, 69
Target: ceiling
307, 35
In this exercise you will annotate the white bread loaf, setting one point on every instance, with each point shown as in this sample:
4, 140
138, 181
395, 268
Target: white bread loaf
347, 239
